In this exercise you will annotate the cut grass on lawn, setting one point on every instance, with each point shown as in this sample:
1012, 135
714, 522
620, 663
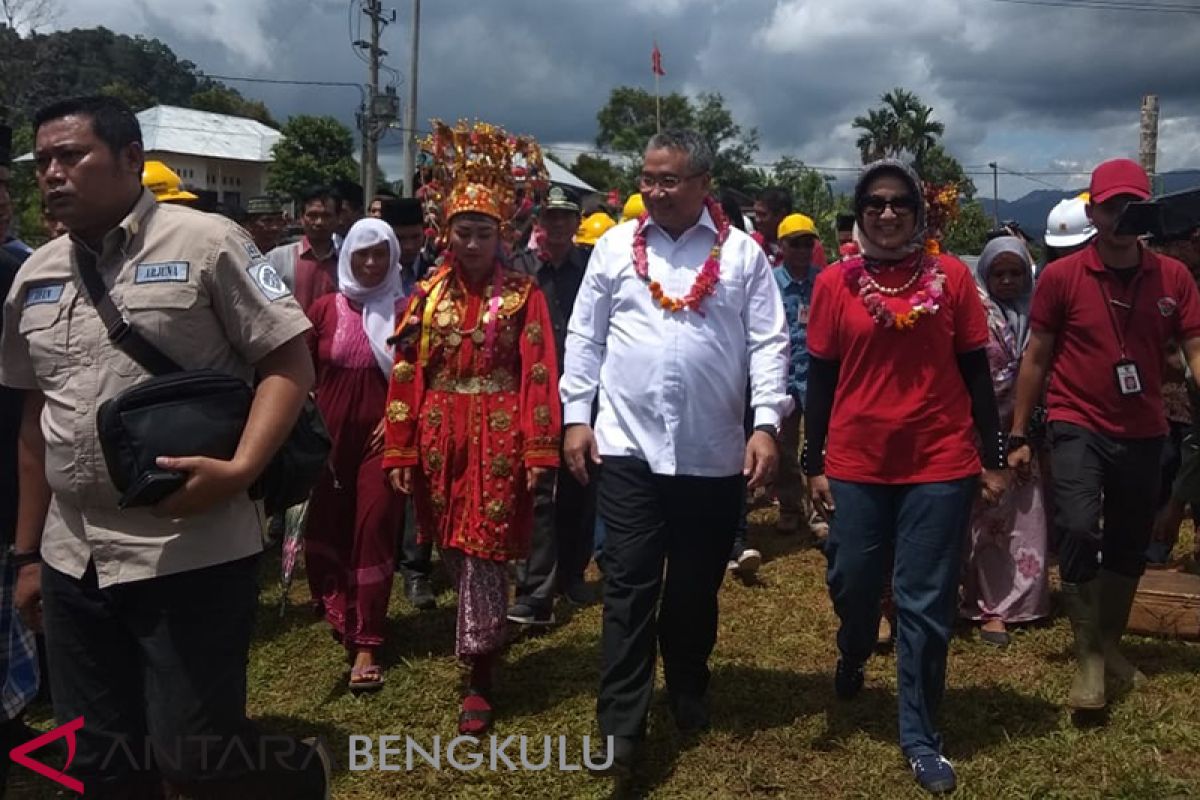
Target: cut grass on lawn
778, 730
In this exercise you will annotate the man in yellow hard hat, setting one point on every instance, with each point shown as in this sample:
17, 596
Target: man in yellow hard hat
634, 208
591, 229
797, 238
165, 184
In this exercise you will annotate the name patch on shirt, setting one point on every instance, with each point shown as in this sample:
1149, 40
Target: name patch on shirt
162, 272
43, 295
267, 280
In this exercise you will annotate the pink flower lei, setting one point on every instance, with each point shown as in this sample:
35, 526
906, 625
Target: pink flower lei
930, 283
706, 279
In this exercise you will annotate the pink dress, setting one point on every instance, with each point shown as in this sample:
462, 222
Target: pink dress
354, 518
1004, 574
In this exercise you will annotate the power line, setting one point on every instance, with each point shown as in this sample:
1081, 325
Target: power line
358, 86
1103, 5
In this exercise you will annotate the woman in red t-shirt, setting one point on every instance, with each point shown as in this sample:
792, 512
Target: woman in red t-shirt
899, 382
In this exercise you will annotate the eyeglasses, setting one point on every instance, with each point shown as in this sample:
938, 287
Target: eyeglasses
903, 206
664, 182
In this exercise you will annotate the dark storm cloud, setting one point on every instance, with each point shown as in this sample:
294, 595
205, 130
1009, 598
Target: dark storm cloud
798, 71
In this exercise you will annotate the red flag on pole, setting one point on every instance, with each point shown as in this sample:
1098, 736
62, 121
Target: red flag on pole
656, 61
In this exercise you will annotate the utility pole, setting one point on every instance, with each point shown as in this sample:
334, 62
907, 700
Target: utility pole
1149, 138
381, 108
408, 188
995, 192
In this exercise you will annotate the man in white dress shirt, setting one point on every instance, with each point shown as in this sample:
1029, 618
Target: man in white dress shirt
669, 440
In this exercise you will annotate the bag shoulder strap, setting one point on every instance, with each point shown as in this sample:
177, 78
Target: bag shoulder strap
121, 333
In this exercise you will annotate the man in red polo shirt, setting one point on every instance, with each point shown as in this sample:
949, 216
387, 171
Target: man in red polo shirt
309, 266
1101, 320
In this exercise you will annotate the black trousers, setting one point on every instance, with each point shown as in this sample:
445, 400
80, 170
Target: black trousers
564, 524
415, 559
157, 669
1095, 477
685, 524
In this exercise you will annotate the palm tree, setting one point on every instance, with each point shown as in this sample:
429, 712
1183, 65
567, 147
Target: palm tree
902, 104
921, 133
879, 129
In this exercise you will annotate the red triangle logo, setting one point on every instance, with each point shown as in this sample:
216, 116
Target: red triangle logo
20, 754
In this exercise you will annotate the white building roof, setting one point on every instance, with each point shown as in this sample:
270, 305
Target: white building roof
565, 177
170, 129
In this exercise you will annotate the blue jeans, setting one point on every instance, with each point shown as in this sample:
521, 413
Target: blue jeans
926, 524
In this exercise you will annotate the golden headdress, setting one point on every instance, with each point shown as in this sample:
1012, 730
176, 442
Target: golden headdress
476, 168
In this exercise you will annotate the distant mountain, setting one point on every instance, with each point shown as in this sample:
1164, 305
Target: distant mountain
1032, 209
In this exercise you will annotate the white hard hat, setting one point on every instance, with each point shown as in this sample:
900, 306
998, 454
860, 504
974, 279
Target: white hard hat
1068, 224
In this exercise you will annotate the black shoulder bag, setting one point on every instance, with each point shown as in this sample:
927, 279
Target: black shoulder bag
182, 412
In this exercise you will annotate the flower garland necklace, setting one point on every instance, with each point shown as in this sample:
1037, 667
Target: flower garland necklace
706, 279
928, 279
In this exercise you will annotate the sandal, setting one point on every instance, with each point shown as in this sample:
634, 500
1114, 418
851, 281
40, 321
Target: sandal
475, 718
366, 679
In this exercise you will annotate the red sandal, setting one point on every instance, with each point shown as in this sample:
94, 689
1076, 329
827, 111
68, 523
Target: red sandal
475, 718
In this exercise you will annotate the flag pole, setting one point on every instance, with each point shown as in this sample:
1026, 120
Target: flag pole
656, 67
657, 106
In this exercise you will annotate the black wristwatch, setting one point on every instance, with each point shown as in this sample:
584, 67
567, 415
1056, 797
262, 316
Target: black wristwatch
770, 430
1017, 441
19, 560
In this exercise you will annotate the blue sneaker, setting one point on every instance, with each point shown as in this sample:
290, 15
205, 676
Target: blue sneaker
934, 773
848, 679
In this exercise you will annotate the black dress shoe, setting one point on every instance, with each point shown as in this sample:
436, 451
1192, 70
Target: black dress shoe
614, 757
690, 713
420, 593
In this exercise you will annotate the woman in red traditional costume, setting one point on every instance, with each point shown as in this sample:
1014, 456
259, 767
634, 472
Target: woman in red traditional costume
473, 414
353, 517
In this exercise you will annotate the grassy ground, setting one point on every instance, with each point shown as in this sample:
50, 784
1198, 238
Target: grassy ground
778, 731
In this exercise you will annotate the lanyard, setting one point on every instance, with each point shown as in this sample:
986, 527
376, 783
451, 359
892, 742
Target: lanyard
1119, 330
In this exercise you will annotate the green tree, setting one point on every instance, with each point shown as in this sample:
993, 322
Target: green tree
878, 134
603, 174
223, 100
733, 148
627, 120
135, 97
902, 126
810, 193
968, 233
940, 168
23, 188
314, 150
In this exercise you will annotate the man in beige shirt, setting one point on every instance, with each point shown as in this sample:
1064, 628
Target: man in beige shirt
148, 613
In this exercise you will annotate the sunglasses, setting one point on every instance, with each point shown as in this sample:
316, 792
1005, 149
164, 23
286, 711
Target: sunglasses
873, 205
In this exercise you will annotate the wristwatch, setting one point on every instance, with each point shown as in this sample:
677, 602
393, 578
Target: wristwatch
770, 430
1016, 441
19, 560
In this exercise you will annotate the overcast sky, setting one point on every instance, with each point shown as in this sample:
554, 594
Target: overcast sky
1036, 89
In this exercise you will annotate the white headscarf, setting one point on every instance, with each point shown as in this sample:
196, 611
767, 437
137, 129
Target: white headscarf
378, 302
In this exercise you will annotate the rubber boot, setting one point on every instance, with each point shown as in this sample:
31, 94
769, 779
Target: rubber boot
1116, 598
1082, 603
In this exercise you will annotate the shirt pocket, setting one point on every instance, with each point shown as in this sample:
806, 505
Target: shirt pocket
164, 315
43, 328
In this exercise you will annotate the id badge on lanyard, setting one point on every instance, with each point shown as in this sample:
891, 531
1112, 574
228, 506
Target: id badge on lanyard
1125, 371
1129, 381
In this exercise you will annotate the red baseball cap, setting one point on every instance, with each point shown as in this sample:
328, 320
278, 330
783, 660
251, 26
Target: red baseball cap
1119, 176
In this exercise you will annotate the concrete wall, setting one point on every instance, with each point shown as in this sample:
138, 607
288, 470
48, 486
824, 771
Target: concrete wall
231, 180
